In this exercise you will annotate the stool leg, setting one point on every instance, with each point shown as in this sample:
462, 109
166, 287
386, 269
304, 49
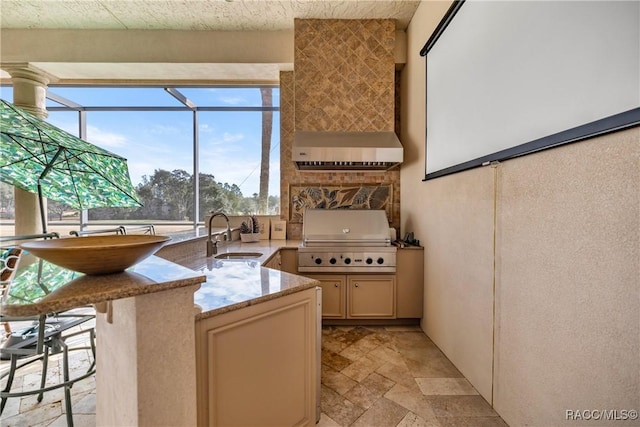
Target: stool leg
12, 372
45, 366
67, 387
92, 339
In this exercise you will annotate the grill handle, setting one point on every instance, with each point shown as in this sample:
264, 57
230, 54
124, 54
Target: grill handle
343, 241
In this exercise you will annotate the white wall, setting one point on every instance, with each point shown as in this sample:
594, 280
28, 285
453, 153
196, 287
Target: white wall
458, 312
563, 229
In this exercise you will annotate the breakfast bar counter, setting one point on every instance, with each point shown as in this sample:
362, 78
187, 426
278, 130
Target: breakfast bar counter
145, 326
41, 287
154, 316
257, 335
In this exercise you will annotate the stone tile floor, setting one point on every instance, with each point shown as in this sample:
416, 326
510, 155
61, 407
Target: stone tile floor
395, 376
371, 376
27, 411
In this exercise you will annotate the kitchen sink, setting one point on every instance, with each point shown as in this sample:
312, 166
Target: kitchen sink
239, 255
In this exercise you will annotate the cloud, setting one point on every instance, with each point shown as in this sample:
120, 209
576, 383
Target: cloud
148, 164
70, 127
233, 100
205, 128
228, 99
105, 139
227, 144
232, 137
164, 130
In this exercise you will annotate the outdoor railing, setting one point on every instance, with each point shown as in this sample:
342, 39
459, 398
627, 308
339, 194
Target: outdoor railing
52, 235
117, 230
146, 229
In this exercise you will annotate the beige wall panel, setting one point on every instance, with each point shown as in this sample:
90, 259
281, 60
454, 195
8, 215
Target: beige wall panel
150, 361
412, 118
453, 218
568, 282
567, 331
141, 46
458, 242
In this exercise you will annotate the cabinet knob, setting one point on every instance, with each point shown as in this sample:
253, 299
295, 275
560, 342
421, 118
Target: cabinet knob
335, 284
356, 285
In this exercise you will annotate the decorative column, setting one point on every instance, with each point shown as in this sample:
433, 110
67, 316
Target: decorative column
29, 93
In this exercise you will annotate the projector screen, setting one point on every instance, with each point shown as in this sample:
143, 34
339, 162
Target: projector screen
508, 78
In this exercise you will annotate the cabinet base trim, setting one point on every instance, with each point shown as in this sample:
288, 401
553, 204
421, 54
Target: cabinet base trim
369, 322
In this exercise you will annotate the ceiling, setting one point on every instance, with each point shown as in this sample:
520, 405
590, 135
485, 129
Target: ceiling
218, 15
185, 15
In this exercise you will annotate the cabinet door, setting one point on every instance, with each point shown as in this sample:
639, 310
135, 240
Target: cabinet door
289, 260
333, 295
262, 357
371, 297
274, 262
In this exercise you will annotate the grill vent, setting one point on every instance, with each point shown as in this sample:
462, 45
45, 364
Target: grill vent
366, 166
342, 151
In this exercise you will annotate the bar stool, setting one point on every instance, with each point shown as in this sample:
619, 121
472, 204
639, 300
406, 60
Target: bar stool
144, 229
47, 336
80, 233
9, 259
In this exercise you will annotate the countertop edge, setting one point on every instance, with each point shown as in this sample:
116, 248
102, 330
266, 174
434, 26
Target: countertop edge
86, 290
254, 301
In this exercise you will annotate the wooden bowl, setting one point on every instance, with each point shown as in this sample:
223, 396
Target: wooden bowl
96, 254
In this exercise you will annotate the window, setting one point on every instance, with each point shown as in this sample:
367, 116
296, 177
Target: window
159, 131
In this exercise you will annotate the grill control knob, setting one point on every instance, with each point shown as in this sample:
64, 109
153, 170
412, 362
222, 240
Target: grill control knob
369, 261
347, 261
380, 260
318, 260
332, 261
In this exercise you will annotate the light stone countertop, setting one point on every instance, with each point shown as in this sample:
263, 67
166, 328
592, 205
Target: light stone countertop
234, 284
40, 287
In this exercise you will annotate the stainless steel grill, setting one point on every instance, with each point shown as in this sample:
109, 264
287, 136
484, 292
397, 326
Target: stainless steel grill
346, 240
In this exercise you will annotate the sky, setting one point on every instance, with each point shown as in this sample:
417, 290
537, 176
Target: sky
230, 142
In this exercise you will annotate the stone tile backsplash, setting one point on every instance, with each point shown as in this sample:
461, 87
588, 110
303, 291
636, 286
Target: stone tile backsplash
345, 80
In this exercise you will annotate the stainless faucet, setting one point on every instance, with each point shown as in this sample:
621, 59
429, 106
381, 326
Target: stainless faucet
212, 247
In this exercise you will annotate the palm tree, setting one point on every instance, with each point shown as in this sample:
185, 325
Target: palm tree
267, 124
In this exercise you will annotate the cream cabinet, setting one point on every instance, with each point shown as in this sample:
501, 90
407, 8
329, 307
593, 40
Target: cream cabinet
410, 282
371, 297
289, 260
274, 262
285, 259
351, 296
258, 365
334, 294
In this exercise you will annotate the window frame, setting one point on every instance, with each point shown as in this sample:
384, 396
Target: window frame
67, 105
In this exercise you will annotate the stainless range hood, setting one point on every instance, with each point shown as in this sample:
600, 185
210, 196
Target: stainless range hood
344, 151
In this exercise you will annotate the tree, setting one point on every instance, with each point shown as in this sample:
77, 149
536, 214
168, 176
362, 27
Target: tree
274, 205
6, 200
57, 208
267, 126
167, 195
212, 196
